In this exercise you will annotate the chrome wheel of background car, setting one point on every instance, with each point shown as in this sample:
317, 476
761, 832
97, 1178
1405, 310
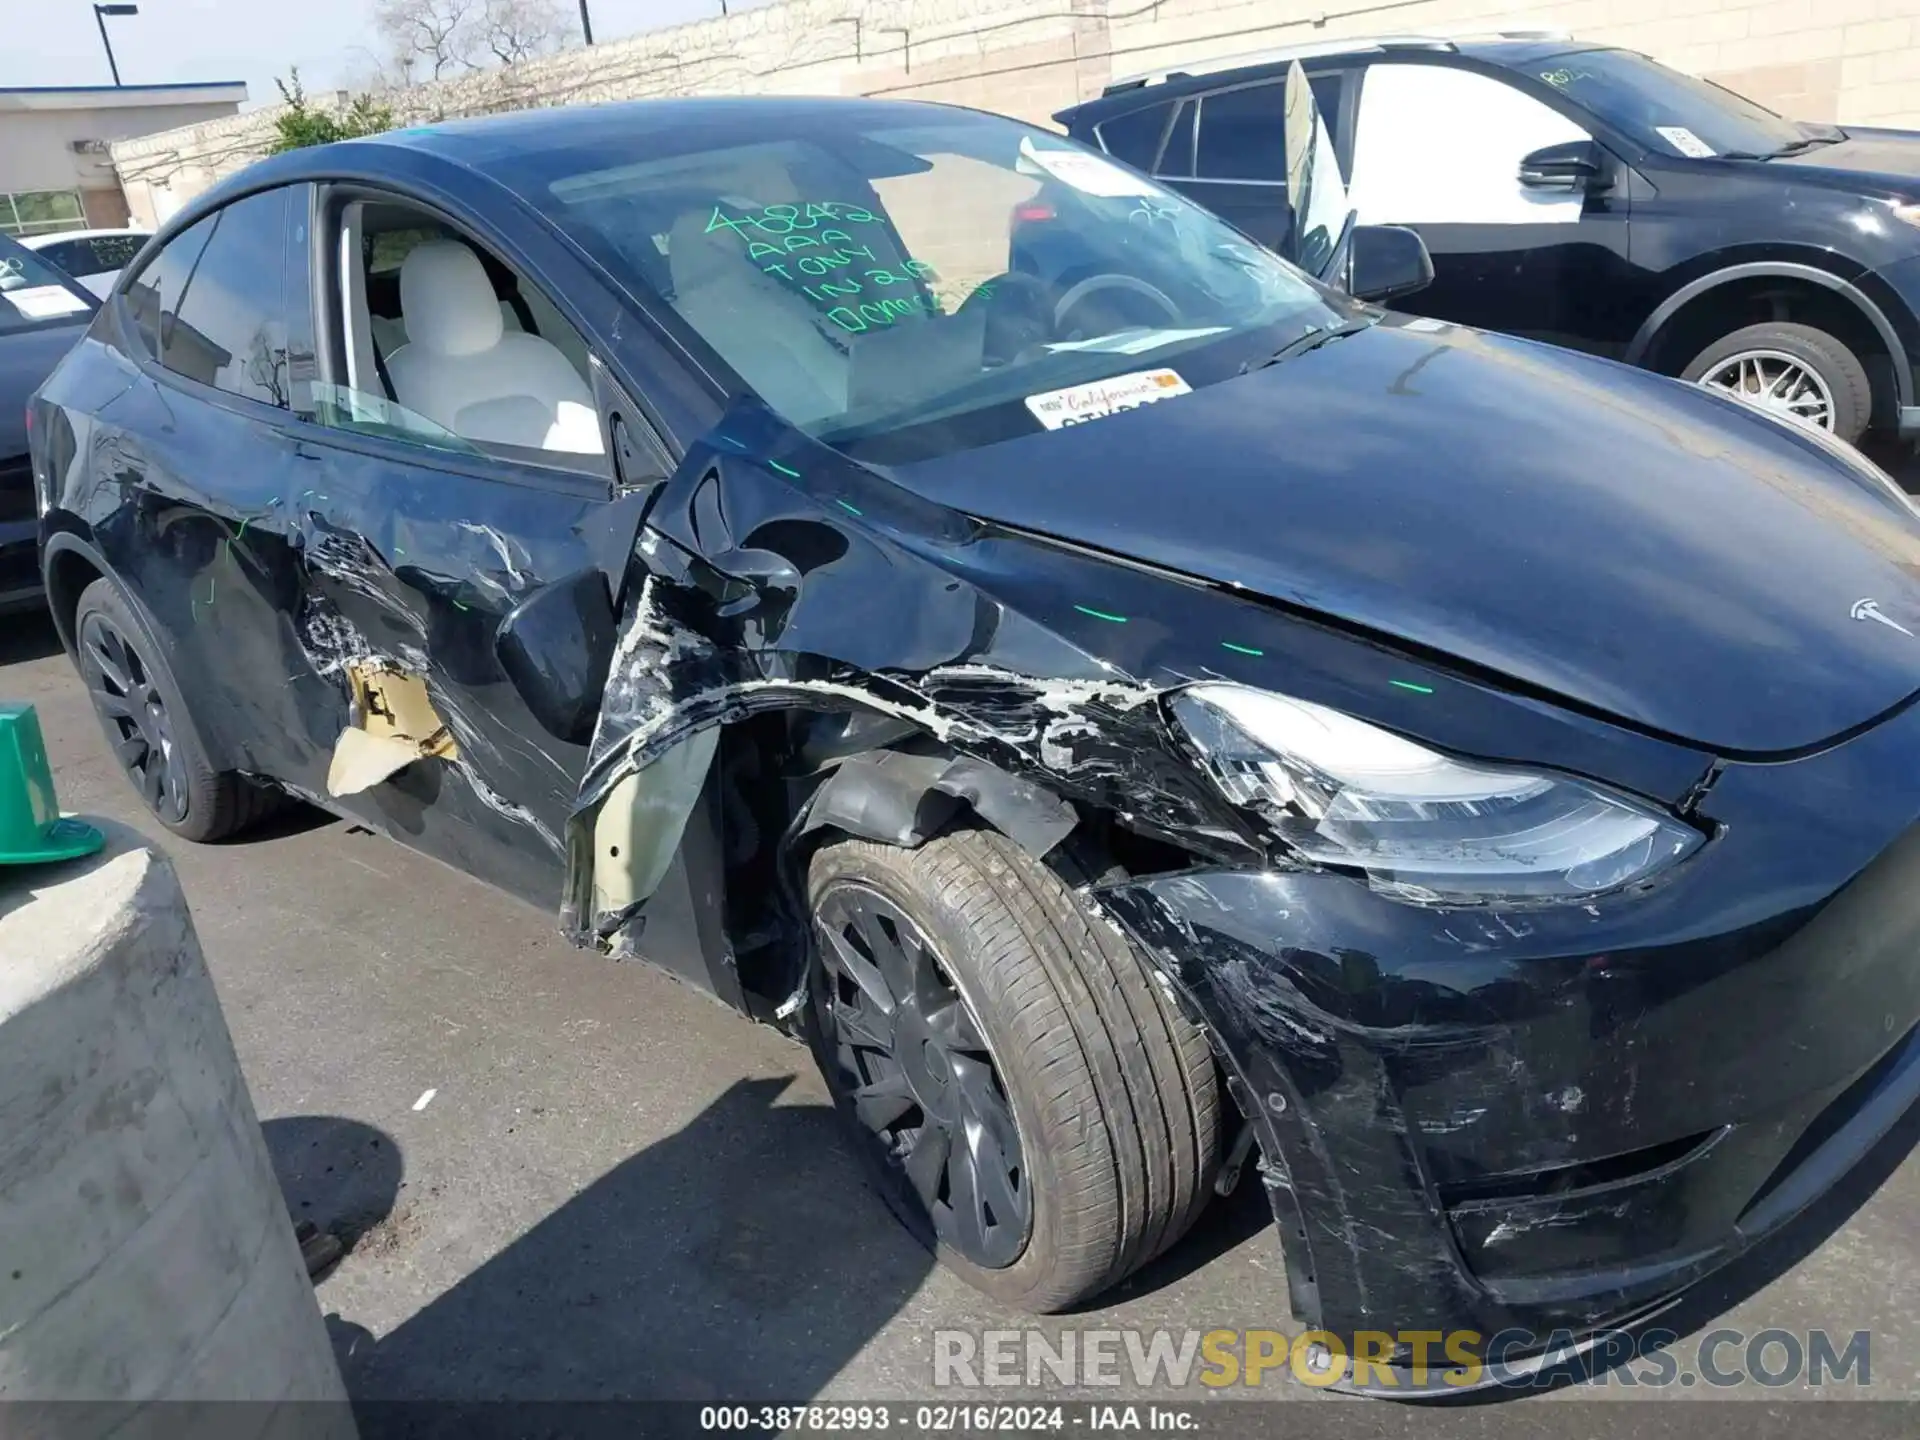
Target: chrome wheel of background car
125, 694
1775, 381
921, 1077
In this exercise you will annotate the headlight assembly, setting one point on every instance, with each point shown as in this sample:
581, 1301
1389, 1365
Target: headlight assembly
1422, 826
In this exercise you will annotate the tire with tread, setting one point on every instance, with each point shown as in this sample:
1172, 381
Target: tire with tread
220, 804
1112, 1087
1845, 377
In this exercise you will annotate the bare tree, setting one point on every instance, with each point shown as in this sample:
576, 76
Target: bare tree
430, 38
520, 29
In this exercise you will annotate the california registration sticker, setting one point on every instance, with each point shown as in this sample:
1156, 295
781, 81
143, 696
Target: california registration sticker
1077, 404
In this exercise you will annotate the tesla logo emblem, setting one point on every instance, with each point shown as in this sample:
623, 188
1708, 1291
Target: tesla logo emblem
1870, 610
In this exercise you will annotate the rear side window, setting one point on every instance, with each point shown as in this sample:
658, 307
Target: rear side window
69, 255
227, 303
1135, 136
1243, 134
155, 296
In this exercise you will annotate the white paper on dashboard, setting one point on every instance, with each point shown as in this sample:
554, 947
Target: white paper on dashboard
44, 302
1088, 173
1685, 141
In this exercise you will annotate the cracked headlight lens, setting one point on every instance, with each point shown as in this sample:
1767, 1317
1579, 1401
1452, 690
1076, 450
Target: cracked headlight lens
1421, 825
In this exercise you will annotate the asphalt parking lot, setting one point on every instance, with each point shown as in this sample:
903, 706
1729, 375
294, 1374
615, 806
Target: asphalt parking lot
615, 1188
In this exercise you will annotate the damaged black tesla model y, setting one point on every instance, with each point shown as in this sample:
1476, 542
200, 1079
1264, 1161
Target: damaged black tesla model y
1126, 709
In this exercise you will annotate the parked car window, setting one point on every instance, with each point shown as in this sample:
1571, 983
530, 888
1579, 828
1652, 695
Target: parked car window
34, 293
1243, 134
72, 256
860, 275
467, 356
1135, 136
101, 253
1176, 156
1436, 145
1668, 112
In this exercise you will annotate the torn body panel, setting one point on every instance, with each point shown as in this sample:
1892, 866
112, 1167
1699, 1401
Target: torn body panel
1482, 1119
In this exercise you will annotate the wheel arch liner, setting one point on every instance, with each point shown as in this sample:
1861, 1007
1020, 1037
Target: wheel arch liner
1651, 327
750, 595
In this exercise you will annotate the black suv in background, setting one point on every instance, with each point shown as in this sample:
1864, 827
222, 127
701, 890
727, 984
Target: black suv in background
1585, 196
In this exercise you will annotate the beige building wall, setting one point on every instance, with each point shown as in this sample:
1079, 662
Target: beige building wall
1854, 61
59, 139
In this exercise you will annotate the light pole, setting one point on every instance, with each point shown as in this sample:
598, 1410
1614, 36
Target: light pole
100, 13
586, 22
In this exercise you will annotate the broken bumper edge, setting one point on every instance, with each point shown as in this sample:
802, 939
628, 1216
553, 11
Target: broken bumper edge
1538, 1129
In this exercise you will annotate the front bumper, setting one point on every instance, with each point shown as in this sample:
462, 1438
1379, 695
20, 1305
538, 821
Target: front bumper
1552, 1120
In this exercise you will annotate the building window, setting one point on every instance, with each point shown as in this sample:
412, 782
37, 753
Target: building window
40, 212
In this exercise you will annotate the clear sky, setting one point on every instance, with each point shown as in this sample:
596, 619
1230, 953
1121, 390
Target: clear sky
55, 42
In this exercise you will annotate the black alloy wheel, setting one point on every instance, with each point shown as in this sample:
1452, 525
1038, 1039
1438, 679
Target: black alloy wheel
129, 701
920, 1075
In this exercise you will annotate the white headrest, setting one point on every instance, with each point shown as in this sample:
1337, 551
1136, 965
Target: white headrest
447, 300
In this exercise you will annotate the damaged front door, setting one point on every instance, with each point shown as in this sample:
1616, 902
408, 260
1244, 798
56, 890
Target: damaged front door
461, 473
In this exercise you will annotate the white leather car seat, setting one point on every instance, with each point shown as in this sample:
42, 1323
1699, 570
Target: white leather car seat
464, 370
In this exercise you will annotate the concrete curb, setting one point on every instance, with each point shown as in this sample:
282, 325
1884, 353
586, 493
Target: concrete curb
146, 1255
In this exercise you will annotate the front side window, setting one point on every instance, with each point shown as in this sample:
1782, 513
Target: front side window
1436, 145
1668, 112
34, 293
868, 277
1243, 134
450, 348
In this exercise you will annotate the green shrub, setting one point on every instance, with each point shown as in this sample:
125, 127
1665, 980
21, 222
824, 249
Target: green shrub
301, 125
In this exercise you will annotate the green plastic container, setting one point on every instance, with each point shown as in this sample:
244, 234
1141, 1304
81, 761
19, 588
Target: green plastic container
32, 830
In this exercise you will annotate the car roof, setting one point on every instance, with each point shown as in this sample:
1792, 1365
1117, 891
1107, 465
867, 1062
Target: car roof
486, 141
35, 242
1510, 48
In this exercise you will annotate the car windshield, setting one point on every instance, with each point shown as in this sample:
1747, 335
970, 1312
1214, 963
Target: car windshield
1670, 113
32, 292
875, 270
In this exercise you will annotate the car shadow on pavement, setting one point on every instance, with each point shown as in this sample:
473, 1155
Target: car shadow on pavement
741, 1259
28, 635
341, 1175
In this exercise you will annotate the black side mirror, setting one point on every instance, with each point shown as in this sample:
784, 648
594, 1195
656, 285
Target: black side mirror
556, 646
1574, 165
1386, 260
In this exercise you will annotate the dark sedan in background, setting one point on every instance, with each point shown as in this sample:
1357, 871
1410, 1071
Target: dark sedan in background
1583, 195
42, 313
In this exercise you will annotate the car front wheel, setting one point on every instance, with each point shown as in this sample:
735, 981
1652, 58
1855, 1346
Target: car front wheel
1796, 371
1032, 1101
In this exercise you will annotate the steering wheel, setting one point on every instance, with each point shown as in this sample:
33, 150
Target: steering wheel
1084, 290
1019, 314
